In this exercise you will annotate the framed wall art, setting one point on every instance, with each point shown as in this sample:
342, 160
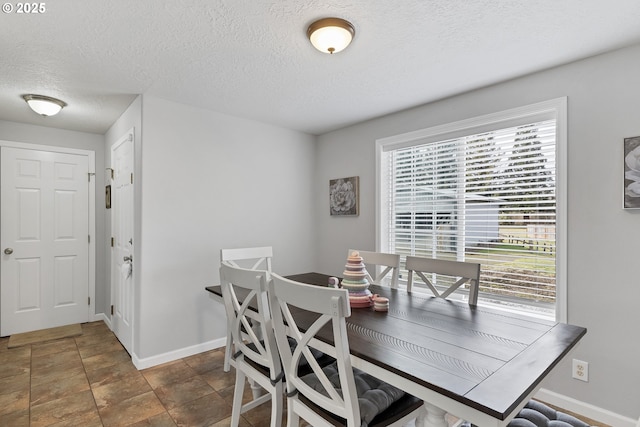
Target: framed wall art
632, 173
344, 196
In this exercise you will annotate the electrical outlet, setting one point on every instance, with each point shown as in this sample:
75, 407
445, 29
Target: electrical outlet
580, 370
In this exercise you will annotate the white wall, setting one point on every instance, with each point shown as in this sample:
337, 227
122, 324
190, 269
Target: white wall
32, 134
211, 181
604, 240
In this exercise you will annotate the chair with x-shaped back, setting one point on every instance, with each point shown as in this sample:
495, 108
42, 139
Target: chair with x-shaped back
255, 352
336, 394
464, 272
385, 263
253, 258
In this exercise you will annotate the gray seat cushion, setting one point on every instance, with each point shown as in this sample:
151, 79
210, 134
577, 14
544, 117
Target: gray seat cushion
303, 366
536, 414
374, 395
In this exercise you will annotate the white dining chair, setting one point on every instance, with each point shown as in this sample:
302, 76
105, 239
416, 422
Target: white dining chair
255, 354
383, 264
464, 272
253, 258
336, 394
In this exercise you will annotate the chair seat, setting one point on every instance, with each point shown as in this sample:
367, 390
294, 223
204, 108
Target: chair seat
304, 368
380, 403
322, 359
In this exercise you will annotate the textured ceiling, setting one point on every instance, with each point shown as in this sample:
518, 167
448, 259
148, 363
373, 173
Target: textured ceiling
251, 58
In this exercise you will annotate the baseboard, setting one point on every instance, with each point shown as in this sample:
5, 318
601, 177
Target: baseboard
104, 318
159, 359
590, 411
148, 362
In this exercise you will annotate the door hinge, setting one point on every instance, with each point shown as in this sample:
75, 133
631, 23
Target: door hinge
132, 178
113, 242
112, 309
110, 170
89, 238
88, 300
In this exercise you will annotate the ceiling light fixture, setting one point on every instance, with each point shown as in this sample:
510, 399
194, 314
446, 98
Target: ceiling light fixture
331, 35
44, 105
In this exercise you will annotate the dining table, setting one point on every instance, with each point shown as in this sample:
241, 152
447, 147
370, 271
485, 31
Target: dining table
477, 363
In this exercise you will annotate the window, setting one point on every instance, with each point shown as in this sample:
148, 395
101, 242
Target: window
488, 190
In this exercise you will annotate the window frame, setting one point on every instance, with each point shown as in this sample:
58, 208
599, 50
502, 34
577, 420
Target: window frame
551, 109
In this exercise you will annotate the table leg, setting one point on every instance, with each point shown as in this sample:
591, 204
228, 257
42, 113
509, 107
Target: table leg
431, 416
256, 389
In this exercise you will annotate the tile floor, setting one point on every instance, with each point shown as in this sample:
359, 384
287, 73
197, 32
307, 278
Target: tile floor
90, 381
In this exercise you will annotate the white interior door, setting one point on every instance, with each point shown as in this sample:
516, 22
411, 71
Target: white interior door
122, 232
44, 280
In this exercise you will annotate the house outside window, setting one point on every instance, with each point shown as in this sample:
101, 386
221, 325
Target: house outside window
489, 190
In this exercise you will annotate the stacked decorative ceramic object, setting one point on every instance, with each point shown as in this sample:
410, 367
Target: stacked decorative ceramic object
355, 281
380, 303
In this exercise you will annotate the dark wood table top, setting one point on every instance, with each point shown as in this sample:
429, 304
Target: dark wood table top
486, 359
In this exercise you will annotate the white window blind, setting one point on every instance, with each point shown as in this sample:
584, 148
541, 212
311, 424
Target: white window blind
487, 198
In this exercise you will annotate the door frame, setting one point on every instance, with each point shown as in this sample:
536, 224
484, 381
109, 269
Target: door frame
91, 155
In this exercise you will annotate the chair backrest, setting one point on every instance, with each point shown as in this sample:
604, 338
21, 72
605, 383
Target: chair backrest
466, 272
333, 306
251, 330
254, 257
251, 258
383, 263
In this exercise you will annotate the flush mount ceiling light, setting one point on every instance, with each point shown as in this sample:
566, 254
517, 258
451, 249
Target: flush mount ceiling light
44, 105
331, 35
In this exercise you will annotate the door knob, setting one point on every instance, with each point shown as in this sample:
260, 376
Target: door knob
8, 251
126, 259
